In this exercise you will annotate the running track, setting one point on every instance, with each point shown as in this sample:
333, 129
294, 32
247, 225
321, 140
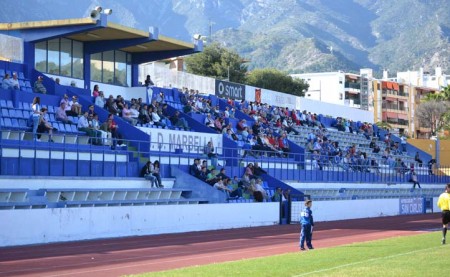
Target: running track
116, 257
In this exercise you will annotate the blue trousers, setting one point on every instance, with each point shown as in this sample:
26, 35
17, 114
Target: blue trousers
306, 234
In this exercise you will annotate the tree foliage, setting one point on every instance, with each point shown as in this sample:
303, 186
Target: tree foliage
276, 80
217, 62
432, 114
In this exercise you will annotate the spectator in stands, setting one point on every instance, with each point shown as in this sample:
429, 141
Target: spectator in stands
254, 190
235, 190
61, 113
144, 117
417, 159
431, 164
156, 119
36, 115
39, 87
178, 121
126, 115
209, 121
148, 81
212, 178
278, 195
222, 174
84, 126
95, 91
220, 186
134, 109
15, 81
414, 180
160, 98
241, 126
157, 173
111, 126
96, 126
91, 109
211, 153
146, 173
112, 105
75, 107
257, 170
6, 82
44, 125
194, 168
100, 100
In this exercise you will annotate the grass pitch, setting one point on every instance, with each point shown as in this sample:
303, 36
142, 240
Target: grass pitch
419, 255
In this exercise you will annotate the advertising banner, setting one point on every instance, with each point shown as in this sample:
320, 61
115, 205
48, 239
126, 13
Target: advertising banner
226, 89
412, 205
165, 140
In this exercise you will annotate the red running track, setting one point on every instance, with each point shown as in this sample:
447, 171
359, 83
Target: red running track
116, 257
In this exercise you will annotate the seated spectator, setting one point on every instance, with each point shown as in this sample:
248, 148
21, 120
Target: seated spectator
211, 178
157, 173
39, 87
75, 107
15, 81
100, 100
96, 126
209, 121
91, 109
111, 126
111, 105
257, 170
234, 189
160, 98
222, 174
220, 186
146, 172
95, 91
44, 125
84, 126
278, 195
178, 121
61, 113
241, 126
126, 115
6, 82
148, 81
255, 191
194, 168
134, 109
156, 118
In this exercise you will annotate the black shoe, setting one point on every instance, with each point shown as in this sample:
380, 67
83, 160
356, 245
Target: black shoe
443, 240
302, 249
311, 248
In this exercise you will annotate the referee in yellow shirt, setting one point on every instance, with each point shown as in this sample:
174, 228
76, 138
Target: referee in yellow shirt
444, 204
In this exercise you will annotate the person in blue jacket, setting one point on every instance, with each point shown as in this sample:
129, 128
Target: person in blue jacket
307, 222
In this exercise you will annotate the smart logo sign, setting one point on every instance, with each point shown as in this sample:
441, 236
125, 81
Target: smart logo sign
230, 90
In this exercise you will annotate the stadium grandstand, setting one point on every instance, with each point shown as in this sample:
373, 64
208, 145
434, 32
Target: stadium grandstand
69, 181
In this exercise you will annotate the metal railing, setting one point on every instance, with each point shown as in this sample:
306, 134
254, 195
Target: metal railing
93, 160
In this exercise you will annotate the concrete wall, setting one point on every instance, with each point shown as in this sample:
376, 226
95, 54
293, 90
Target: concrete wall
21, 227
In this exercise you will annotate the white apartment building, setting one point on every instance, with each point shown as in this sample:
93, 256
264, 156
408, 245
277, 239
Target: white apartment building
424, 79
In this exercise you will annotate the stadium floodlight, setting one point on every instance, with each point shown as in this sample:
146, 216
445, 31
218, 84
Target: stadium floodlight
107, 11
197, 36
98, 9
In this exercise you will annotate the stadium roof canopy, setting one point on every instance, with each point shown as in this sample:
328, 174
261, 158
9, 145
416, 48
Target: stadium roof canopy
100, 35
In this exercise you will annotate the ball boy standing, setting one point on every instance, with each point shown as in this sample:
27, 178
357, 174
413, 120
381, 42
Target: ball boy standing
306, 219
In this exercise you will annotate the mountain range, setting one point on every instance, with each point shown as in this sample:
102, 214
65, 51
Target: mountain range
291, 35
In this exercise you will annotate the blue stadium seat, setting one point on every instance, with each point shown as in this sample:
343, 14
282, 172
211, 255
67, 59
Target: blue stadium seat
21, 76
15, 123
3, 103
12, 113
5, 112
51, 117
74, 128
9, 104
23, 124
51, 109
20, 105
61, 127
26, 114
2, 72
27, 84
2, 124
30, 90
7, 122
19, 113
68, 127
9, 73
74, 119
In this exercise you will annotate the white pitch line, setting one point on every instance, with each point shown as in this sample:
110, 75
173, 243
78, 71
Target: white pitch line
365, 261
